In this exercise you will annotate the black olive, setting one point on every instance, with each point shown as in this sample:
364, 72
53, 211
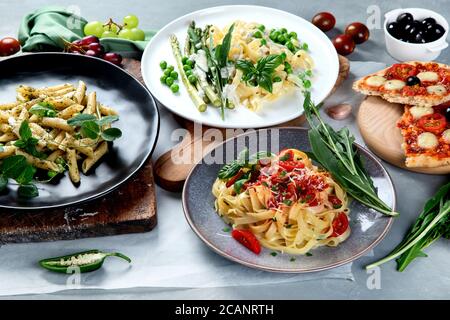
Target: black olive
404, 18
436, 32
428, 21
415, 28
419, 38
412, 81
394, 30
447, 114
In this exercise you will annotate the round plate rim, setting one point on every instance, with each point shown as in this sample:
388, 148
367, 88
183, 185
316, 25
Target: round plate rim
293, 270
113, 187
225, 124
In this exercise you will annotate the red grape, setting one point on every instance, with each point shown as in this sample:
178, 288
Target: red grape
9, 46
97, 47
358, 31
88, 40
113, 58
344, 44
77, 42
91, 53
325, 21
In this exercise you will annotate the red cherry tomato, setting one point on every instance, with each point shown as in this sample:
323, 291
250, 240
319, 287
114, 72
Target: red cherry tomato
401, 71
234, 178
358, 31
9, 46
340, 225
344, 44
247, 239
291, 165
435, 123
335, 201
325, 21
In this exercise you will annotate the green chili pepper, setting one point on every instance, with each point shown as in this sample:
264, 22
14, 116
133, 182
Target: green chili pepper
87, 261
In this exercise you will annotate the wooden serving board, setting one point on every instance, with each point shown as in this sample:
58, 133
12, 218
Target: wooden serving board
377, 121
171, 176
130, 208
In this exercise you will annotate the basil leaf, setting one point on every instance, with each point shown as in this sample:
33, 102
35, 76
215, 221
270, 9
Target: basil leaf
107, 120
224, 49
13, 166
3, 182
265, 81
237, 186
111, 134
229, 170
43, 110
25, 131
79, 119
269, 63
90, 129
28, 191
26, 176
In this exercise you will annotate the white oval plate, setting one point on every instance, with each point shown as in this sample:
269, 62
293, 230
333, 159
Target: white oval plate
284, 109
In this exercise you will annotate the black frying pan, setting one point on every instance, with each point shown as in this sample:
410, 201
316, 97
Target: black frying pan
139, 122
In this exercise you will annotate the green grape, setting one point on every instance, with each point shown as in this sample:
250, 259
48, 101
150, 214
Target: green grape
174, 75
109, 34
175, 88
169, 81
137, 34
125, 34
94, 28
130, 21
111, 27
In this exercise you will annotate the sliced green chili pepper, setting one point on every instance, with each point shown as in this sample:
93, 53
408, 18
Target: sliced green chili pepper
87, 261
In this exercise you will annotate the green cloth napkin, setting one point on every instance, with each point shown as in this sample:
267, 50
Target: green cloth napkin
45, 29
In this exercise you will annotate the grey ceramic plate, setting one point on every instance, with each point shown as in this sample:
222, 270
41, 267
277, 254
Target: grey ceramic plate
368, 226
139, 122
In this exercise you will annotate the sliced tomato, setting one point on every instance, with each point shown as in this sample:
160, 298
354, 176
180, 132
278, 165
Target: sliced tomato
435, 123
340, 225
335, 202
286, 155
247, 239
291, 165
234, 178
401, 71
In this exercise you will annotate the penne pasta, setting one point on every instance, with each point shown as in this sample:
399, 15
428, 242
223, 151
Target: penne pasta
69, 112
39, 163
56, 123
55, 155
74, 173
91, 103
7, 151
7, 137
98, 153
107, 111
80, 92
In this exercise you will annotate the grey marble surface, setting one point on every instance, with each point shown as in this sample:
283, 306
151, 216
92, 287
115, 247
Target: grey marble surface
426, 279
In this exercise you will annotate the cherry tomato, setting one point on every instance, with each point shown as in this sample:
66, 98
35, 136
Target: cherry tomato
340, 225
401, 71
234, 178
335, 201
344, 44
247, 239
291, 165
286, 155
435, 123
9, 46
325, 21
358, 31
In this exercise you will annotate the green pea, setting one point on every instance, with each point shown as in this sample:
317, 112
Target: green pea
293, 35
307, 84
187, 67
163, 65
169, 81
174, 75
287, 67
175, 88
274, 36
277, 79
171, 68
258, 34
188, 73
192, 78
281, 39
283, 55
190, 63
52, 174
283, 30
263, 42
262, 27
309, 73
305, 46
290, 46
167, 72
184, 60
163, 79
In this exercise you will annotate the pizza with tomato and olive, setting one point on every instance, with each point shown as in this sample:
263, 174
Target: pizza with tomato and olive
412, 83
426, 135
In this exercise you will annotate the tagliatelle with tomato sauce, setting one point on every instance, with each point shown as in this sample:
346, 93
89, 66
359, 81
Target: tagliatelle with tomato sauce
286, 202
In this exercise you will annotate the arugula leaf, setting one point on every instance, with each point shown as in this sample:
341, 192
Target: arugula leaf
3, 182
28, 191
111, 134
79, 119
43, 109
90, 129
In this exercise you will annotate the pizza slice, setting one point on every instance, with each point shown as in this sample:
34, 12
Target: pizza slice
412, 83
426, 136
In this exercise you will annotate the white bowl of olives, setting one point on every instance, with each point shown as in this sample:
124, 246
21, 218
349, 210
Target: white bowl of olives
415, 34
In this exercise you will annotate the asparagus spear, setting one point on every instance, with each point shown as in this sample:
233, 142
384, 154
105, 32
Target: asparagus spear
198, 101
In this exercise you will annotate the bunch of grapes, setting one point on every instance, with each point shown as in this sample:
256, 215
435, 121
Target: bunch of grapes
127, 30
90, 46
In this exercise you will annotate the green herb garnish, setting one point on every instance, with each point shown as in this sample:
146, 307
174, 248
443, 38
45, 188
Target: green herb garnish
309, 254
27, 142
273, 254
91, 127
17, 168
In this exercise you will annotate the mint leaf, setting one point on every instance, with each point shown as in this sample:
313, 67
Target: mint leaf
28, 191
107, 120
90, 129
111, 134
13, 166
26, 176
43, 110
25, 131
78, 120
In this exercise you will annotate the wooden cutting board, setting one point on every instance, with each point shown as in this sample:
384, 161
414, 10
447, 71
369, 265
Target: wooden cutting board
171, 176
377, 121
130, 208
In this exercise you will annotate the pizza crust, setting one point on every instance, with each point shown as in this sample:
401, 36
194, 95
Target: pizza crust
426, 101
425, 161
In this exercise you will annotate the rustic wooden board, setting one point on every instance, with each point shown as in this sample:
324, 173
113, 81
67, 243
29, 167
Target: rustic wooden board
377, 121
171, 176
130, 208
